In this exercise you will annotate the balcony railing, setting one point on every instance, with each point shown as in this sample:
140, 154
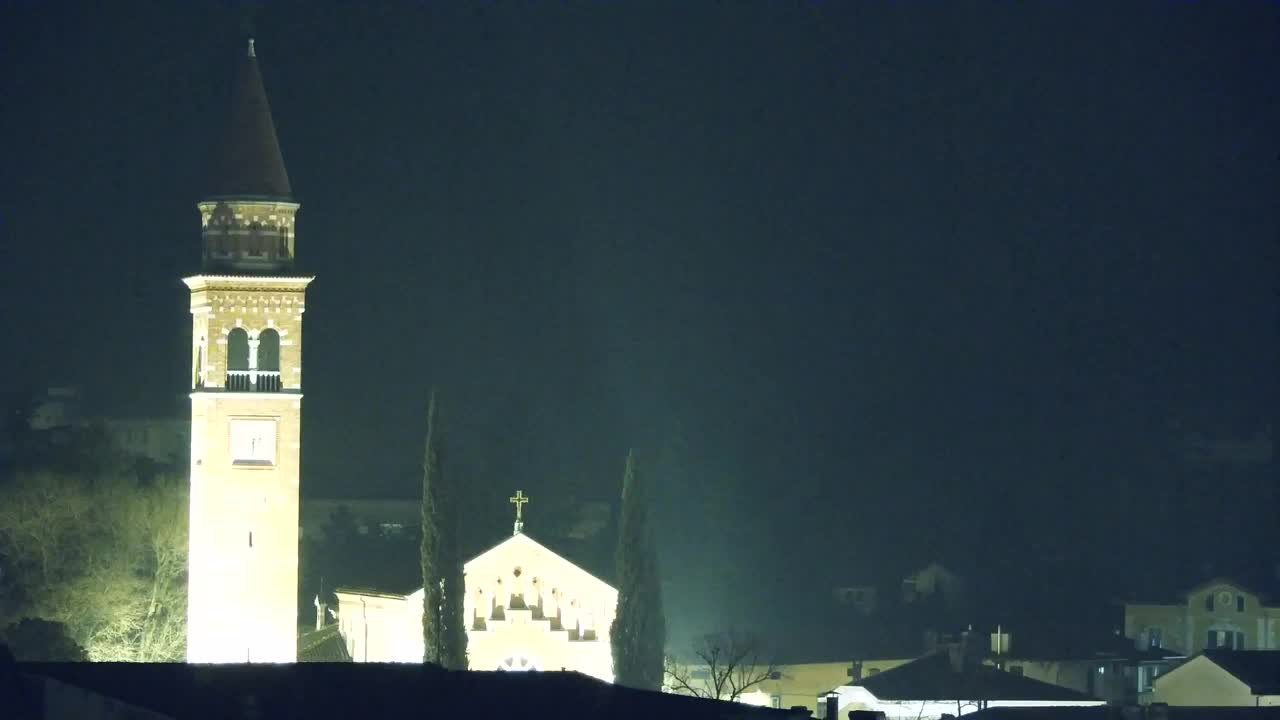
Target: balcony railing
253, 381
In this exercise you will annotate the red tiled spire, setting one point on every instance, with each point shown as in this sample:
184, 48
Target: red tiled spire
248, 162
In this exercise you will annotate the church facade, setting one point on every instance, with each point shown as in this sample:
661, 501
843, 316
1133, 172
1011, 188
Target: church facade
526, 609
246, 398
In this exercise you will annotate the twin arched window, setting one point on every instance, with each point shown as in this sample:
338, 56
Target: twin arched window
247, 358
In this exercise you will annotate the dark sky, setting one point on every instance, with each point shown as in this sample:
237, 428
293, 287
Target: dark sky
888, 281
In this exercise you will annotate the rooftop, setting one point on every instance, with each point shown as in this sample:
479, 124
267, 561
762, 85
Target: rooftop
933, 677
323, 690
248, 163
1116, 712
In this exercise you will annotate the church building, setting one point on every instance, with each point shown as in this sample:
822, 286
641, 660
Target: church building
246, 397
526, 608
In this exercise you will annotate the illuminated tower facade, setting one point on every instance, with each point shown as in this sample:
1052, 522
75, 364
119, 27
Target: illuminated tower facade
246, 397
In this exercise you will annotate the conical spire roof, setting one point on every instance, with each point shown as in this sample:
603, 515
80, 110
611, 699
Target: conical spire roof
247, 161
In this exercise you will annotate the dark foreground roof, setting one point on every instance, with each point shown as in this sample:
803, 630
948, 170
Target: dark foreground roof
933, 677
1259, 669
1116, 712
331, 690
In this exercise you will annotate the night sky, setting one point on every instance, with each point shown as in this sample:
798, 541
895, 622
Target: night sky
866, 284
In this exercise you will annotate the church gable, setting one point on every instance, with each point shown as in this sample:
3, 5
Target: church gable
523, 550
526, 608
529, 608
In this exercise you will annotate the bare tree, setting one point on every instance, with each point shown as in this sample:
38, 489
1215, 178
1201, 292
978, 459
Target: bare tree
724, 666
106, 557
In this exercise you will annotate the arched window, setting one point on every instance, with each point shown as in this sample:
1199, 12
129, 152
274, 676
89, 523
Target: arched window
238, 350
1224, 635
269, 350
238, 360
518, 662
254, 240
267, 377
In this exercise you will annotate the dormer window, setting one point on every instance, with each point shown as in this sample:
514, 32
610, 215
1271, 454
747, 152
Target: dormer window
1208, 602
1239, 603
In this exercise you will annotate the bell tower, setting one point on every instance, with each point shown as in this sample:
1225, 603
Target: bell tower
246, 397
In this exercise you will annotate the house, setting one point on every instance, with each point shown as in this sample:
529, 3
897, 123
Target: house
1102, 666
801, 684
1219, 613
384, 517
930, 583
164, 441
526, 608
933, 581
942, 683
1223, 678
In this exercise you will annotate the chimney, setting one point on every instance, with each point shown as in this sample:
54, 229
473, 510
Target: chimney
833, 707
320, 608
955, 653
1001, 641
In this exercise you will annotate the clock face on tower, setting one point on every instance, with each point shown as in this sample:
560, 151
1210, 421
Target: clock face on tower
253, 441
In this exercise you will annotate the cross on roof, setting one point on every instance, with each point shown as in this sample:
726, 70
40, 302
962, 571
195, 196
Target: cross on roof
518, 500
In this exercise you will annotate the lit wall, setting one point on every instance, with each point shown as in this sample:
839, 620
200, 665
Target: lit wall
1200, 681
243, 543
802, 683
1184, 626
526, 607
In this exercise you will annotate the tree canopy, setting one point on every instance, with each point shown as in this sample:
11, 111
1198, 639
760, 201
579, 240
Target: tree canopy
104, 556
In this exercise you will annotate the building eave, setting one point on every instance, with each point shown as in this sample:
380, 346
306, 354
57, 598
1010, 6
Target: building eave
238, 282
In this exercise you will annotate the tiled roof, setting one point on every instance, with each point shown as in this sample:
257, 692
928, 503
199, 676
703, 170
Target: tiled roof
323, 645
933, 677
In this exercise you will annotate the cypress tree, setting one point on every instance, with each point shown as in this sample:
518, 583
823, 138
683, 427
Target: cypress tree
431, 546
444, 636
453, 639
638, 632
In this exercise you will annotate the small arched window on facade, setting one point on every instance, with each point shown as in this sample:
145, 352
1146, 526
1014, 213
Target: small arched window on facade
197, 374
238, 360
254, 240
268, 375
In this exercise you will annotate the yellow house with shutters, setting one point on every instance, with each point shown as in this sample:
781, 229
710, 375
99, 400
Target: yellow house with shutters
1220, 613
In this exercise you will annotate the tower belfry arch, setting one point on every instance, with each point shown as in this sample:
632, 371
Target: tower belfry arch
246, 396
